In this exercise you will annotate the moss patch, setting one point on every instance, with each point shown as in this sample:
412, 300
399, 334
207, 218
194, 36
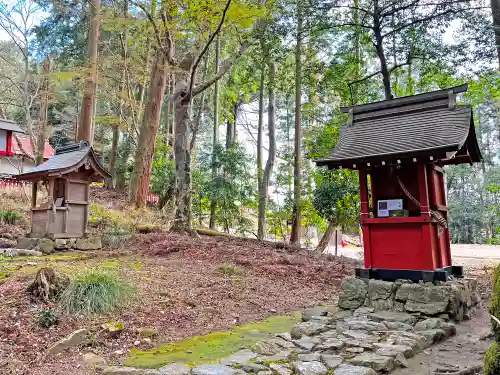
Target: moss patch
212, 347
492, 360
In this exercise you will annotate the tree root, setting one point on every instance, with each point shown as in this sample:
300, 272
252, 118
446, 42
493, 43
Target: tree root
48, 285
468, 371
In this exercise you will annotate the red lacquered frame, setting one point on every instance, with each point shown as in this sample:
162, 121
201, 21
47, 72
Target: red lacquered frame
8, 149
416, 242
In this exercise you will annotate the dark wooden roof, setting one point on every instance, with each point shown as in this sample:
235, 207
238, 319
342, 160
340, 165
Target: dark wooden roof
424, 127
10, 125
65, 160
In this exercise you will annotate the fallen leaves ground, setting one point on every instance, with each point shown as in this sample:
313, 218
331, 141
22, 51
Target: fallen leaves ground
181, 292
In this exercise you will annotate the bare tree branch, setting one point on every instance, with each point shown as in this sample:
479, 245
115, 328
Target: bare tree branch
205, 49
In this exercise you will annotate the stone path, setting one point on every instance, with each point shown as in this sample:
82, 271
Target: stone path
362, 342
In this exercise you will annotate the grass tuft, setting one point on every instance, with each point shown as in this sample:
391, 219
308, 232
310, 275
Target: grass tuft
96, 292
229, 269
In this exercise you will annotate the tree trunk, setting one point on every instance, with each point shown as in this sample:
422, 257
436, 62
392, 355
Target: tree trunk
44, 104
327, 236
297, 183
261, 221
182, 219
271, 124
201, 109
215, 140
141, 175
231, 126
495, 11
379, 46
87, 111
116, 129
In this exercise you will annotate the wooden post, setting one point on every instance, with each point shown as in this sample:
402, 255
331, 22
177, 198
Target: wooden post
363, 193
428, 249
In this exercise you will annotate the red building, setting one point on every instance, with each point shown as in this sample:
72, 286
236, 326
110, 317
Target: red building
400, 147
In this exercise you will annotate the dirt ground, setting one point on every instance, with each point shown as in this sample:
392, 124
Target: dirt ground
181, 292
462, 351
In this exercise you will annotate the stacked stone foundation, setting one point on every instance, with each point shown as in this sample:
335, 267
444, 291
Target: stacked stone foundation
455, 300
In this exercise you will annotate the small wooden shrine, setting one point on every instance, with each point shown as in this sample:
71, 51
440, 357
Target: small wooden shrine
399, 147
66, 177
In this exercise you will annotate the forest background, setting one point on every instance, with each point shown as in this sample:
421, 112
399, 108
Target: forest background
220, 106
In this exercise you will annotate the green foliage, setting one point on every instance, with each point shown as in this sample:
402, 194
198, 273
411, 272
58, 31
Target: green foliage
233, 188
163, 167
96, 292
228, 269
495, 302
47, 317
336, 197
492, 360
10, 217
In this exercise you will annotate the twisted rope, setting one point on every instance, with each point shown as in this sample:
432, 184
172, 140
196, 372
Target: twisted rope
440, 219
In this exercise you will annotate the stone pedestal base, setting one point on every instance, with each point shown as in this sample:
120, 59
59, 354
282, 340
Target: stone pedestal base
454, 300
47, 245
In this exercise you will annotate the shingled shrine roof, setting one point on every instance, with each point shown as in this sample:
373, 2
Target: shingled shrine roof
65, 160
422, 127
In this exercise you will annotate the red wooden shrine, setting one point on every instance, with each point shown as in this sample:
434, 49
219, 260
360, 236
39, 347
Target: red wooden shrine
400, 147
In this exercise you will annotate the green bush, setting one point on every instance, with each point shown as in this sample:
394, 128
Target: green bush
492, 360
96, 292
10, 217
228, 269
495, 303
47, 318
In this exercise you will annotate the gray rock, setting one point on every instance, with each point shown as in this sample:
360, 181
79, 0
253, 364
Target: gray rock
285, 336
76, 338
88, 243
366, 326
71, 243
429, 299
27, 243
94, 361
239, 358
283, 344
470, 313
393, 350
278, 357
310, 368
361, 336
280, 370
415, 341
307, 329
338, 315
433, 335
400, 361
253, 368
308, 357
45, 246
383, 304
393, 316
397, 326
353, 293
378, 289
353, 370
355, 350
174, 369
359, 344
406, 289
363, 311
8, 236
331, 344
268, 347
307, 343
265, 372
398, 306
331, 361
212, 369
60, 243
374, 361
429, 323
308, 314
117, 370
7, 243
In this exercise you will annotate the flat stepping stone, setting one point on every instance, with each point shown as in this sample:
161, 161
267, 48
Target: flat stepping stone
310, 313
331, 361
360, 335
393, 316
213, 369
389, 350
310, 368
174, 369
353, 370
307, 329
239, 358
375, 361
330, 344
